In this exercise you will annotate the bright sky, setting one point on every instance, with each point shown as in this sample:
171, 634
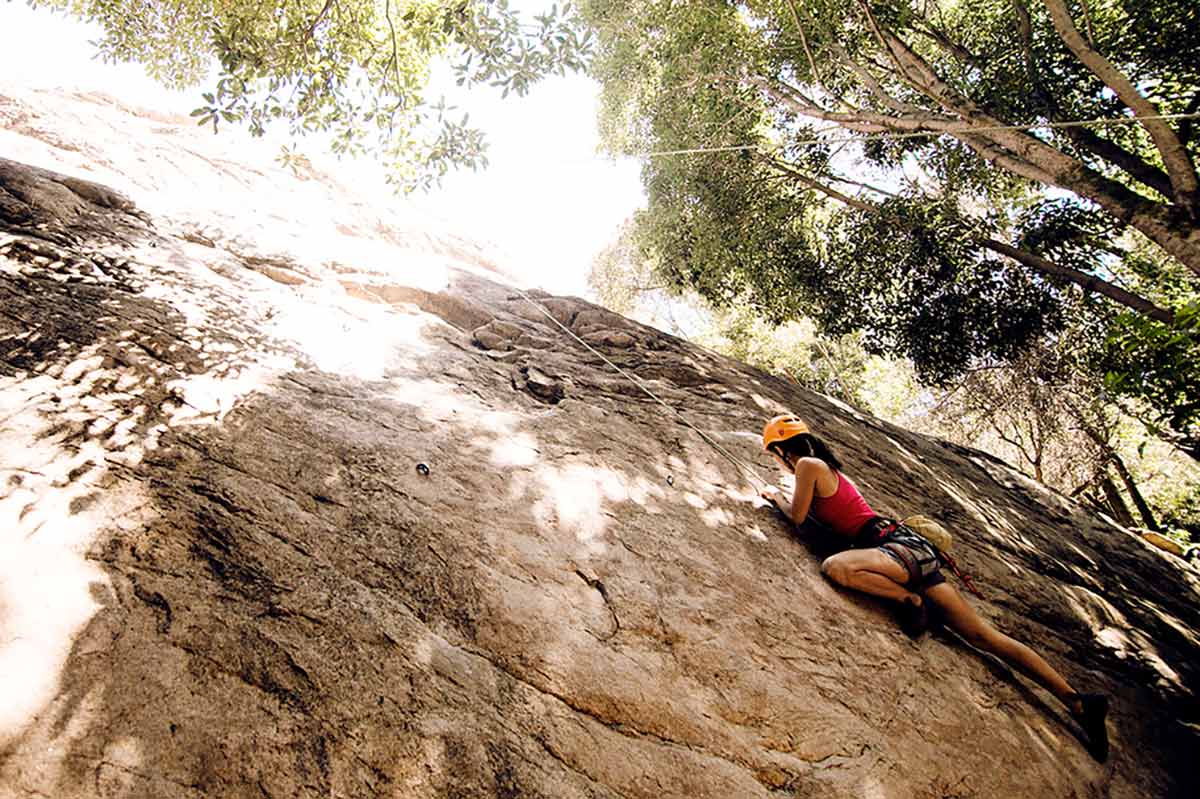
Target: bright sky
547, 202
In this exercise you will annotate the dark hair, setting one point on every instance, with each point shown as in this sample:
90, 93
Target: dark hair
806, 445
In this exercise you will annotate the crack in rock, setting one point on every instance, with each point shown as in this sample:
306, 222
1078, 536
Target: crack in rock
599, 586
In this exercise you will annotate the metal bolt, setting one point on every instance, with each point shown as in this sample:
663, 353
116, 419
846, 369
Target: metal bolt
422, 470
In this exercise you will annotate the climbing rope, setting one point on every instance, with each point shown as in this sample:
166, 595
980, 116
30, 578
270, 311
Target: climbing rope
966, 129
759, 484
961, 575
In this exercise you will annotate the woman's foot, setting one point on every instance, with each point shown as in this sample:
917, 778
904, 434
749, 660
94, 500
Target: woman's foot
913, 616
1091, 711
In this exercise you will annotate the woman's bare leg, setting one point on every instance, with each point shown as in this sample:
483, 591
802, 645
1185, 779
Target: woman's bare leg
967, 623
872, 572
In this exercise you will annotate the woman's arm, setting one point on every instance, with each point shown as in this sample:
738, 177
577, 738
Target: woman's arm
797, 506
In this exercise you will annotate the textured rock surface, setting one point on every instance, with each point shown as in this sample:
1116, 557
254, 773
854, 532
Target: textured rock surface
223, 574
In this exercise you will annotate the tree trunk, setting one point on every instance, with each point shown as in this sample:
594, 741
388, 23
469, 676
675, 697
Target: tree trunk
1134, 493
1175, 156
1113, 457
1116, 503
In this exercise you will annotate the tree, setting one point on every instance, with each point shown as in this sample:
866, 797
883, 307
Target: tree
355, 70
624, 282
914, 170
1052, 419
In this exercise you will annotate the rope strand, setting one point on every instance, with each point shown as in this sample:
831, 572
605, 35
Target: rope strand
754, 477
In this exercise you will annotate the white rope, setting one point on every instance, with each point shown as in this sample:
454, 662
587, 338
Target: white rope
754, 477
920, 134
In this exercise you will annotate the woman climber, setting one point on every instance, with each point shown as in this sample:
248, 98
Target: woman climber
889, 560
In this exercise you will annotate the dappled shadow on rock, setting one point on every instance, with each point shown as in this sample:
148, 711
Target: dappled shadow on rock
96, 365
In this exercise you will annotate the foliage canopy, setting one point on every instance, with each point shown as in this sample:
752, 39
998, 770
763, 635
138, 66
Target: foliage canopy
911, 169
355, 70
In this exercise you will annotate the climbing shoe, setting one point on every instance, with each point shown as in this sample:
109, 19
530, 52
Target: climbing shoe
1091, 716
913, 618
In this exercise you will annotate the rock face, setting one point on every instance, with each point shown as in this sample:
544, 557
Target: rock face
285, 525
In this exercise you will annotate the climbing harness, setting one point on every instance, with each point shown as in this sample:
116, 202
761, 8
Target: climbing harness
880, 532
942, 541
919, 557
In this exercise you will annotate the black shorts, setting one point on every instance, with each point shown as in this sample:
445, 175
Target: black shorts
907, 547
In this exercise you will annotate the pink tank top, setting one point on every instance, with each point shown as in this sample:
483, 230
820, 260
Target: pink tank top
845, 511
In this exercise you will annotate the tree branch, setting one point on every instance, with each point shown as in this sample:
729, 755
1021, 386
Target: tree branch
1087, 19
394, 64
1018, 444
872, 84
812, 63
875, 122
1185, 125
812, 183
873, 24
861, 185
790, 96
861, 121
1030, 260
1175, 156
1021, 167
1144, 173
1083, 279
954, 49
312, 29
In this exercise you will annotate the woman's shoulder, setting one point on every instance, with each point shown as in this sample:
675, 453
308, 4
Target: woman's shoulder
814, 466
824, 478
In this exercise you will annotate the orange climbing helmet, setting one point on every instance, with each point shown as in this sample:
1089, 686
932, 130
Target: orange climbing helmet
781, 428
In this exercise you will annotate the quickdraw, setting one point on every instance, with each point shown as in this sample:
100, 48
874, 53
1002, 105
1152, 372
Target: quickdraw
966, 578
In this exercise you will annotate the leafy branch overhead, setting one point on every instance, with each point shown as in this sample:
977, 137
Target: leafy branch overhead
354, 70
913, 169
